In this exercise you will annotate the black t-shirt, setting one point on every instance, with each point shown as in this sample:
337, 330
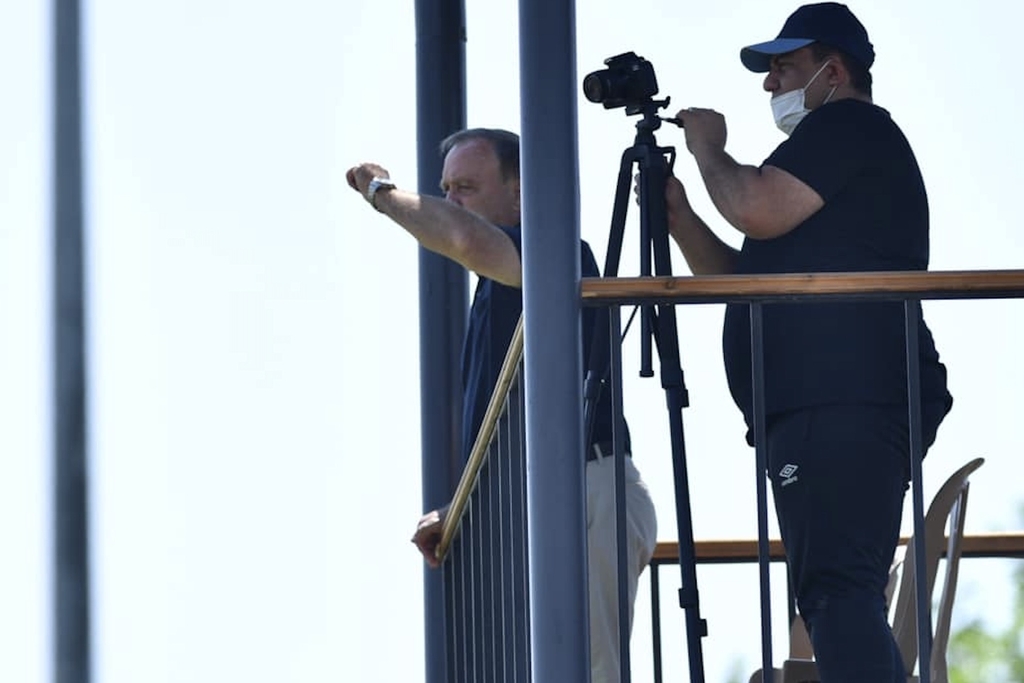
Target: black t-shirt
875, 218
492, 320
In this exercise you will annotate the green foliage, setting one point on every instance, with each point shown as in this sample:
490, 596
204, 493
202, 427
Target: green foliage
974, 654
977, 654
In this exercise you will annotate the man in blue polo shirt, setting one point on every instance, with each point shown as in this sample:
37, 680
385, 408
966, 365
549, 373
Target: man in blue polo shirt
478, 225
842, 193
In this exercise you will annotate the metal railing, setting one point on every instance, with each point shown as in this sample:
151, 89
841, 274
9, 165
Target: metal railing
484, 544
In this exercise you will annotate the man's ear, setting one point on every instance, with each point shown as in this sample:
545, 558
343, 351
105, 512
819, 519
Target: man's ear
836, 72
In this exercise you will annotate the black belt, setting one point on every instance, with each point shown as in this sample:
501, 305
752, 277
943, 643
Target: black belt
602, 449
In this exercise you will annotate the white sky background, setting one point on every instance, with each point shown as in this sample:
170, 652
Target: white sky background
253, 324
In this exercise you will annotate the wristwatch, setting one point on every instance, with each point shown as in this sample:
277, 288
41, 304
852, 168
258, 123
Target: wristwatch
376, 185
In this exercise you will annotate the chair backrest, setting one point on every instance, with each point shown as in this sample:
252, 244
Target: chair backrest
950, 503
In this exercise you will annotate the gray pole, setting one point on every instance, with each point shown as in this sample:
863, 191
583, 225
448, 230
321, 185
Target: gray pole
443, 285
554, 374
71, 538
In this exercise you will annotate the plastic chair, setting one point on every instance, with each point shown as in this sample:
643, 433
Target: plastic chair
950, 503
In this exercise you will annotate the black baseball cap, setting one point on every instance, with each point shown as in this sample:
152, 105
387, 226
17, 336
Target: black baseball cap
830, 23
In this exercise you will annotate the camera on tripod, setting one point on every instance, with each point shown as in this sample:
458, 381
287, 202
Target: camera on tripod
628, 81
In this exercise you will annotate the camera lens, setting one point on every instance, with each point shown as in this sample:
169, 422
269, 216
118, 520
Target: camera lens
594, 87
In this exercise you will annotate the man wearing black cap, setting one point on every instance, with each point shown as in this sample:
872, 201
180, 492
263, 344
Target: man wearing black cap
842, 193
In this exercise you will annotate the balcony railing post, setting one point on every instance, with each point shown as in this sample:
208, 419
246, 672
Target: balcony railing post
912, 314
761, 464
656, 618
615, 376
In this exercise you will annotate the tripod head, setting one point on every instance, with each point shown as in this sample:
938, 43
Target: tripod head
651, 120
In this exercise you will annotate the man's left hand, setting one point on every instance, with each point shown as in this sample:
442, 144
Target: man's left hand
428, 535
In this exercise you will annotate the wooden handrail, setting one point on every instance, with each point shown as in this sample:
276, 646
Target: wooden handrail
983, 284
483, 439
997, 544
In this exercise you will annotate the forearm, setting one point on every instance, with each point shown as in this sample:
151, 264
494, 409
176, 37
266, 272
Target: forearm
448, 229
731, 186
436, 224
704, 252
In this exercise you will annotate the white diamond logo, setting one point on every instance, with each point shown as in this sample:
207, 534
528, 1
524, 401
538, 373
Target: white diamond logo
788, 471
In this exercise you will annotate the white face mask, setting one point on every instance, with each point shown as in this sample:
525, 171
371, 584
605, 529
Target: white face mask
789, 109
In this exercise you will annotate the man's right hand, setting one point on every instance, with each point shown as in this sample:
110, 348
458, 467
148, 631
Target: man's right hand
359, 177
705, 131
428, 535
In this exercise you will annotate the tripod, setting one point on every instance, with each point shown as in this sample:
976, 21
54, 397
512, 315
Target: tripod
655, 163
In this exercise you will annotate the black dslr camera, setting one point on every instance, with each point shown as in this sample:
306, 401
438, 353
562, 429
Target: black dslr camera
628, 81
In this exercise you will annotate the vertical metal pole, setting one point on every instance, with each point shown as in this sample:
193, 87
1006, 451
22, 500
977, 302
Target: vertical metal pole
619, 437
519, 552
761, 458
443, 285
554, 373
653, 572
912, 316
71, 537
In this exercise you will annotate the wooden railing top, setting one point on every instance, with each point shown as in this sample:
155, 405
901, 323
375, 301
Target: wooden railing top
478, 455
976, 284
998, 544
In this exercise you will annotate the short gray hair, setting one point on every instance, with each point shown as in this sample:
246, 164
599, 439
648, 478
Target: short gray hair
505, 144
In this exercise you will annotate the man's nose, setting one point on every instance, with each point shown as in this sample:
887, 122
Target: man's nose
771, 83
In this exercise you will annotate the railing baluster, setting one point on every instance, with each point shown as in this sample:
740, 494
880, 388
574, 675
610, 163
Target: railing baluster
761, 464
656, 619
501, 481
522, 590
912, 315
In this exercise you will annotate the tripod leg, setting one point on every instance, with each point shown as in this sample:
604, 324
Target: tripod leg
654, 172
619, 208
597, 368
675, 396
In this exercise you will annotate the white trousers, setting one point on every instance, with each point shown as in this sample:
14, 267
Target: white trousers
602, 558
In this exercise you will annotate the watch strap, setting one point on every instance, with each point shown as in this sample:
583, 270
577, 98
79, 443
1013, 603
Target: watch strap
376, 185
